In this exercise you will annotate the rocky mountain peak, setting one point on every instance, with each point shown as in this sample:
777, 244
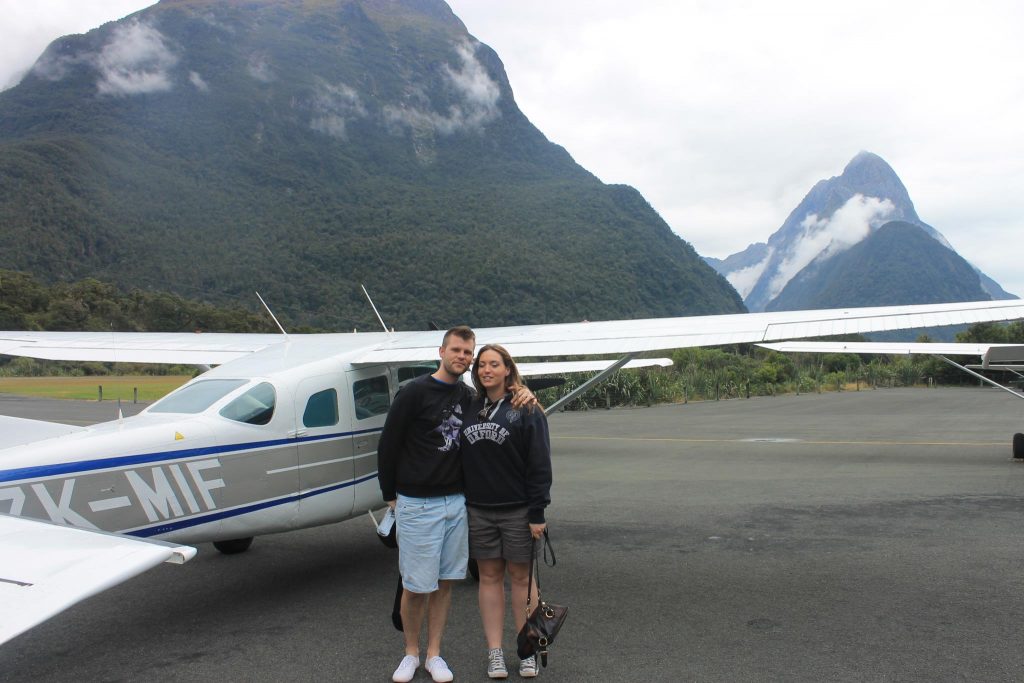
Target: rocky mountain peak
837, 214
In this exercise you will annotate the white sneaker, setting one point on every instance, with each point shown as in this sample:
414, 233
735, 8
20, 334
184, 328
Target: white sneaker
528, 667
438, 670
406, 669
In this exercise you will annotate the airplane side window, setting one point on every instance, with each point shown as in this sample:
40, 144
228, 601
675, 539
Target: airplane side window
371, 397
413, 371
254, 407
197, 397
321, 409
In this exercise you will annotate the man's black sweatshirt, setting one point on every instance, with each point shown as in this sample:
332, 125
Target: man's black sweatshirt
418, 453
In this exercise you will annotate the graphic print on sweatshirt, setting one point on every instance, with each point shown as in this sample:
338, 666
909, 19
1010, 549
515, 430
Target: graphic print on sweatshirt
451, 423
492, 431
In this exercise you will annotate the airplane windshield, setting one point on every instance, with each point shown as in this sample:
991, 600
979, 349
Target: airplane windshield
195, 398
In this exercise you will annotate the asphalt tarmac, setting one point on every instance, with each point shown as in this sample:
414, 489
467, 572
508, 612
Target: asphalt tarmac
862, 536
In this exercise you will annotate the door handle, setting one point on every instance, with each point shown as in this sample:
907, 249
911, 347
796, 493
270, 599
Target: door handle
296, 433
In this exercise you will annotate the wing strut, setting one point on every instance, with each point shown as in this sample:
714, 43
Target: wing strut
272, 316
980, 376
374, 307
586, 386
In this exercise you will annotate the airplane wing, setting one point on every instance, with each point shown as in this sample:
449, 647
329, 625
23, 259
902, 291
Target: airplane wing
568, 339
46, 568
563, 367
135, 347
634, 336
15, 431
991, 354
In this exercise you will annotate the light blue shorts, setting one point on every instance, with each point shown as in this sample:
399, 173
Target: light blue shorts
433, 540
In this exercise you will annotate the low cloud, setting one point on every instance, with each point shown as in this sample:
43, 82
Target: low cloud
479, 91
476, 93
210, 19
52, 67
197, 80
333, 106
744, 279
260, 70
136, 60
825, 237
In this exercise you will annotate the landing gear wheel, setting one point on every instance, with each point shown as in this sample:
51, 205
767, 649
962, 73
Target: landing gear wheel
1018, 446
474, 569
234, 546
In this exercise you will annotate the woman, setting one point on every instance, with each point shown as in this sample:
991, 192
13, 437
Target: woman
506, 461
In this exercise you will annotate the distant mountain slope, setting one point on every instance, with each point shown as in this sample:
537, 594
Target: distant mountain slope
836, 215
300, 148
899, 263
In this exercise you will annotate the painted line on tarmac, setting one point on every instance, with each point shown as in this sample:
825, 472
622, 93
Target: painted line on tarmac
787, 442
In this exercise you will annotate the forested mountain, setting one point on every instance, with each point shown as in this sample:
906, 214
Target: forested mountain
808, 260
211, 148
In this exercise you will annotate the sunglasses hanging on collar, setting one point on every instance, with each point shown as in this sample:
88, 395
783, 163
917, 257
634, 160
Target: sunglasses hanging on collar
488, 406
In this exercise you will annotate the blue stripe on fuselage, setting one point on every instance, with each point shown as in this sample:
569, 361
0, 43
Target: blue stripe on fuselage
224, 514
39, 471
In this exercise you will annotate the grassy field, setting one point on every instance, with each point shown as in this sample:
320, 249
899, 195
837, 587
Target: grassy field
114, 387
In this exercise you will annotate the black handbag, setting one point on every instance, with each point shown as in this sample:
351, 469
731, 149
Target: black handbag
543, 624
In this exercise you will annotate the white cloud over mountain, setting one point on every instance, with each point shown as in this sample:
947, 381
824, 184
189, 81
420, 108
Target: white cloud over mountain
136, 60
333, 106
823, 238
477, 95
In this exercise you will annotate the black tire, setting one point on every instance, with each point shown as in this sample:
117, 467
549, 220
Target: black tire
474, 570
1018, 446
234, 546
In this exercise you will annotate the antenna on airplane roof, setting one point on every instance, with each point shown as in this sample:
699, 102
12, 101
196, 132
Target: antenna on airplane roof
375, 309
272, 316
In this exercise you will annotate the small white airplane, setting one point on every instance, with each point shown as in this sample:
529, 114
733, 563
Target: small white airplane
1004, 357
281, 435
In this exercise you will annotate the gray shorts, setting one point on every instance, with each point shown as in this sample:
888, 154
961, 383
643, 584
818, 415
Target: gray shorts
499, 534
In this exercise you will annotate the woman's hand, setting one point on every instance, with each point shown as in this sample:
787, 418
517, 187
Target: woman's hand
537, 530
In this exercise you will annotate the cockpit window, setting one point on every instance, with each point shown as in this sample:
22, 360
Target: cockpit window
254, 407
195, 398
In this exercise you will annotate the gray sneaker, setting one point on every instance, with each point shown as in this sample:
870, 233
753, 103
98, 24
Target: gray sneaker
496, 664
528, 667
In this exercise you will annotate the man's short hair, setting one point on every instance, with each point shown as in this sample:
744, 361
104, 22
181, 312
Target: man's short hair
463, 332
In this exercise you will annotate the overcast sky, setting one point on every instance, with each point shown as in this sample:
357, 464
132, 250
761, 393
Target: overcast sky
725, 113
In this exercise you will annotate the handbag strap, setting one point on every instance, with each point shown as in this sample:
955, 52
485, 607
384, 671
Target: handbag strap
535, 563
549, 548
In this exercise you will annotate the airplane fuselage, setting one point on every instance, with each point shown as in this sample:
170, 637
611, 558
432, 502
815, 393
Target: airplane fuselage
232, 454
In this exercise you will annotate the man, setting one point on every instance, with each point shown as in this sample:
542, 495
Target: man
420, 476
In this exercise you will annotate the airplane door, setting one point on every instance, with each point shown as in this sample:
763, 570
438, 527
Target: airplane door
368, 400
324, 450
